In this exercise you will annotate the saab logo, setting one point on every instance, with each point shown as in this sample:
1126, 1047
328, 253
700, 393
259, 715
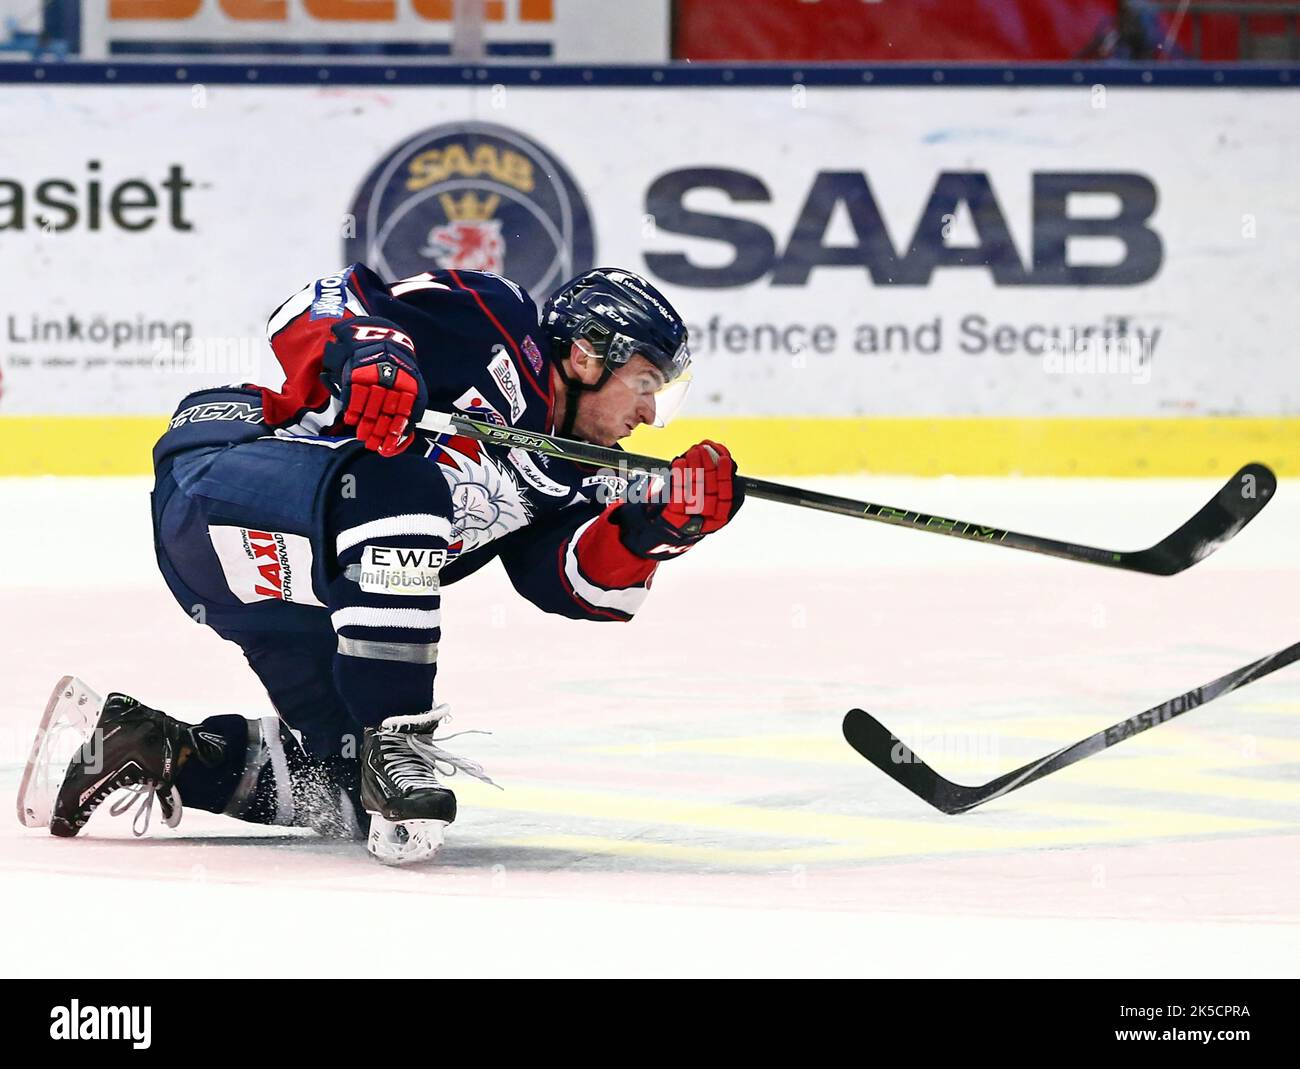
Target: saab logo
265, 565
502, 370
371, 332
75, 1021
330, 298
472, 197
847, 194
400, 570
218, 410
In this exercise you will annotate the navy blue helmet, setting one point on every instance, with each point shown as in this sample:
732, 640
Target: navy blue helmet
619, 314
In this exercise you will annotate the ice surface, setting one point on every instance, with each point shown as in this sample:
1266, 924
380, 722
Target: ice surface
678, 797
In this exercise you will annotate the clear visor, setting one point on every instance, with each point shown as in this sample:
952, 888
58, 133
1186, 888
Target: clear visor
651, 399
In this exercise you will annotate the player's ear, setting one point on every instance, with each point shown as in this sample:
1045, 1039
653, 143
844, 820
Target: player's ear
584, 364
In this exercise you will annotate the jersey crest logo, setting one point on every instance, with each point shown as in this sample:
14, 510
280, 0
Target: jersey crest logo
472, 196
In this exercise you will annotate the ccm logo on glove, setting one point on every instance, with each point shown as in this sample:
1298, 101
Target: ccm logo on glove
370, 332
371, 367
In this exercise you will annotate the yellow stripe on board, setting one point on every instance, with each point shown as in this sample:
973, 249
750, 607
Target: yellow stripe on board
770, 445
78, 445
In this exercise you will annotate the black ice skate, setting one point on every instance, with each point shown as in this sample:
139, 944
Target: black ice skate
409, 809
130, 746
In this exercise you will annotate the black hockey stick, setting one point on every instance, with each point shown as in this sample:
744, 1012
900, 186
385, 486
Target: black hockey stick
883, 749
1239, 502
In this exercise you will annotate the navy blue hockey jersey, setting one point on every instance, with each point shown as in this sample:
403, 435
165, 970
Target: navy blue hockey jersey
476, 341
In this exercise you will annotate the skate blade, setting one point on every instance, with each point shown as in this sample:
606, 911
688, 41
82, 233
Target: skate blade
404, 842
70, 716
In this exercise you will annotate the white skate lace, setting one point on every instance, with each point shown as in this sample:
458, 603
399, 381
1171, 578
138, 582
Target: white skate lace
413, 760
438, 757
144, 794
432, 756
404, 765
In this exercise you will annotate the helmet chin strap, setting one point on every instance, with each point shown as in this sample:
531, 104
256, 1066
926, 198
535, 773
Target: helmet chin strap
574, 388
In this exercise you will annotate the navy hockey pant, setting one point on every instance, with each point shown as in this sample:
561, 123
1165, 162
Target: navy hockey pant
309, 556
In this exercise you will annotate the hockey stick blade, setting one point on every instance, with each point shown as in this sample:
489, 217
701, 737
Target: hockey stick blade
888, 753
1234, 506
1242, 498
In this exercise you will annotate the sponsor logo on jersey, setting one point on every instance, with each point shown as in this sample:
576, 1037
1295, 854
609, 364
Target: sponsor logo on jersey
535, 477
402, 570
532, 353
473, 403
472, 196
329, 298
502, 370
265, 565
607, 488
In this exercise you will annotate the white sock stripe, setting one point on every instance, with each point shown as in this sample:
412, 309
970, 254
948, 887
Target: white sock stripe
628, 600
412, 523
366, 616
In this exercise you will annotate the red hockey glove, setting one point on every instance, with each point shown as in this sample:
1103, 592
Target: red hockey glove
371, 367
703, 497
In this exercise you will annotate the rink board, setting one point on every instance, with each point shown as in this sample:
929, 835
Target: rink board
926, 267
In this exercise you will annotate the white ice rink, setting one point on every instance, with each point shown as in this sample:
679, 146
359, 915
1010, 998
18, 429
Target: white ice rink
679, 800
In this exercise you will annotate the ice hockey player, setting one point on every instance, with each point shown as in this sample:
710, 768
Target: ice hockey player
314, 526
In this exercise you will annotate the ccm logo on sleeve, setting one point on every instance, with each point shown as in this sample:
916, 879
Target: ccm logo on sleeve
265, 565
399, 570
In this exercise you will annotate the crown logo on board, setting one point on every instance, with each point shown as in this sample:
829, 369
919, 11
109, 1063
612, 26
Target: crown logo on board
470, 207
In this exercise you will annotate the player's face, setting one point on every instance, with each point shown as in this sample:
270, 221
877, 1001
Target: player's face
626, 401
